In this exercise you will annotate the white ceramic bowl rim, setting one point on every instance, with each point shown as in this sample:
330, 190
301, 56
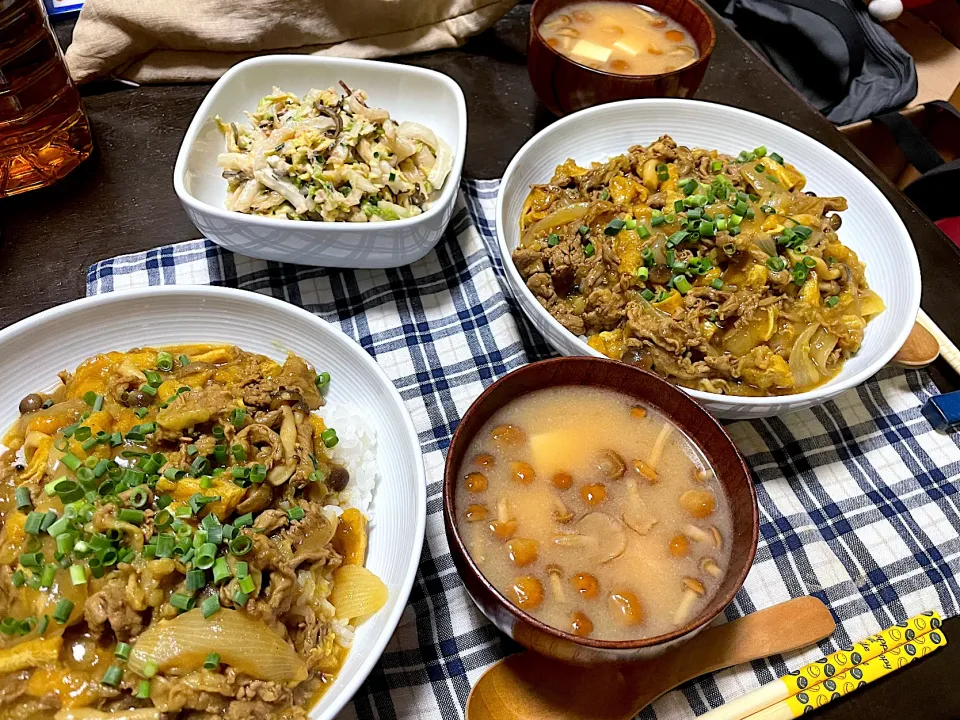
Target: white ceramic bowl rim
203, 115
912, 276
157, 295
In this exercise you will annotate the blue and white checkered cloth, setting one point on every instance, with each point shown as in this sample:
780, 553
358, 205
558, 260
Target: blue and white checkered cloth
858, 497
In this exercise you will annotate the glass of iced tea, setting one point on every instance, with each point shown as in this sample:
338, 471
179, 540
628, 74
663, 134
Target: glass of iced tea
44, 133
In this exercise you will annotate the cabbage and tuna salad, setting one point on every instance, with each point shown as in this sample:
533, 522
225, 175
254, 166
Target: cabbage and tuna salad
331, 157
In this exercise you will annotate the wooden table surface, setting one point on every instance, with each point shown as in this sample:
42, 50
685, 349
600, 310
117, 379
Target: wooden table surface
122, 200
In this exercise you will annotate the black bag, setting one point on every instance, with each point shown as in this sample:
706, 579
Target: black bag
832, 51
936, 191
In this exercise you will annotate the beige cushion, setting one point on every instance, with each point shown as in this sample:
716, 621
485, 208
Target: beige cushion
154, 41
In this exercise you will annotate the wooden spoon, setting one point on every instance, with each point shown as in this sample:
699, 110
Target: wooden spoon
920, 349
528, 686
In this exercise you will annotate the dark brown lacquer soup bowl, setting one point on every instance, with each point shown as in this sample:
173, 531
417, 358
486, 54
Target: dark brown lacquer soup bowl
650, 390
565, 86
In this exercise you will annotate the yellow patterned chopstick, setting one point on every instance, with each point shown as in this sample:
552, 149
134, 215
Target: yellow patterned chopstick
853, 679
809, 676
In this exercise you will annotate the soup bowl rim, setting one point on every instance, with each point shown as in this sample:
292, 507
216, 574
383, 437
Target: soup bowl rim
635, 77
458, 546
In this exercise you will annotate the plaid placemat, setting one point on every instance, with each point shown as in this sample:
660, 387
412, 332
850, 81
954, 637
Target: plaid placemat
858, 497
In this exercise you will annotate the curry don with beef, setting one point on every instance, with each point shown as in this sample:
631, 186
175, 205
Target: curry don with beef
177, 541
717, 272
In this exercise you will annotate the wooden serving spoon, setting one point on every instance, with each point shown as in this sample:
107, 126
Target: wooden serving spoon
920, 349
528, 686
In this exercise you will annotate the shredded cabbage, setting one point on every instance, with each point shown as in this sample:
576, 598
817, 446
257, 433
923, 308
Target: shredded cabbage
332, 158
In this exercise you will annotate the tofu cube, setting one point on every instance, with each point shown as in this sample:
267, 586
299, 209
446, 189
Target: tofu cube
591, 51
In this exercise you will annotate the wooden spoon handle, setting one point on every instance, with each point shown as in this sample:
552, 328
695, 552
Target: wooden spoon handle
788, 626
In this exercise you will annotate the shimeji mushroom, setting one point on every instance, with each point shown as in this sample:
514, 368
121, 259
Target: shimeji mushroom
555, 573
562, 514
611, 465
693, 590
710, 535
599, 531
709, 566
635, 515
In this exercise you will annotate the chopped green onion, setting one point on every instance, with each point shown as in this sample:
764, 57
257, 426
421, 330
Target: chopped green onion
643, 232
143, 690
643, 274
181, 601
240, 598
631, 224
18, 579
131, 516
677, 238
210, 606
122, 651
173, 473
716, 284
246, 584
23, 498
657, 220
776, 158
221, 570
241, 545
682, 284
239, 453
589, 250
165, 546
78, 575
82, 433
832, 301
150, 667
32, 524
61, 612
242, 570
65, 543
113, 676
164, 361
583, 229
140, 413
553, 240
647, 295
71, 461
776, 264
153, 378
295, 513
212, 662
689, 186
31, 560
48, 575
706, 229
716, 166
614, 226
244, 520
149, 390
196, 579
43, 624
329, 436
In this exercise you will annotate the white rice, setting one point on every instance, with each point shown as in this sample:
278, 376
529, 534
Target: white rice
356, 451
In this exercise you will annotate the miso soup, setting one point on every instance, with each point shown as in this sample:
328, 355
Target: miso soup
594, 514
620, 38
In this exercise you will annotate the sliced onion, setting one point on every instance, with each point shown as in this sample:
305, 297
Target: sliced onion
822, 345
805, 373
357, 592
871, 304
181, 645
559, 217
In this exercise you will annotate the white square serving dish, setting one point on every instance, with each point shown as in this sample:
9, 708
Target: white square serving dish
408, 93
